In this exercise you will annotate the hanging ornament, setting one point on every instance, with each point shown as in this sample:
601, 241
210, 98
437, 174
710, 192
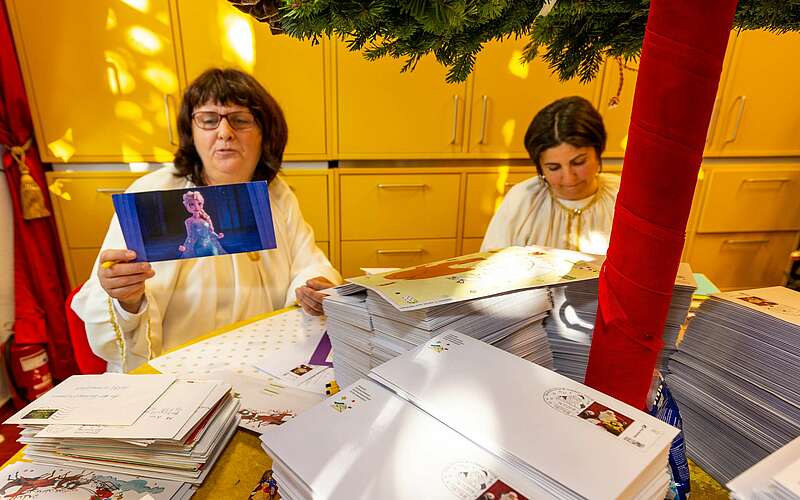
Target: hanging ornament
31, 196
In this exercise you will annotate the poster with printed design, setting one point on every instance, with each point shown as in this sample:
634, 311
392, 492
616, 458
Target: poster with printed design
480, 275
30, 481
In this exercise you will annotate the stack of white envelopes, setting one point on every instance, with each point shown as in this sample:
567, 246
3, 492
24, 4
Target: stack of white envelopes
457, 418
512, 322
498, 297
571, 322
736, 378
146, 425
777, 477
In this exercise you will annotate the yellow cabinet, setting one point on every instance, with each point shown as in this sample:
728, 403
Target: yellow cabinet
385, 114
743, 260
507, 94
617, 117
101, 77
759, 113
471, 245
485, 193
311, 190
388, 206
393, 253
751, 198
216, 34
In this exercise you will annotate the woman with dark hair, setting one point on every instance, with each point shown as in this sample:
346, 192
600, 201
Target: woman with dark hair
231, 130
570, 204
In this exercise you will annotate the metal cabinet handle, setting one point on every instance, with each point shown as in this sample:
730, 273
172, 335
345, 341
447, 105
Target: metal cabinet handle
170, 134
767, 179
745, 242
455, 120
402, 186
110, 190
483, 119
409, 250
740, 99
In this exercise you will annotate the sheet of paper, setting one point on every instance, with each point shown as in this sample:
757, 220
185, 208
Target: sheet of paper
107, 399
238, 349
480, 275
46, 482
263, 404
163, 420
295, 363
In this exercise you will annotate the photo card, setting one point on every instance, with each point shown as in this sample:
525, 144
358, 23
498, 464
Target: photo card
196, 222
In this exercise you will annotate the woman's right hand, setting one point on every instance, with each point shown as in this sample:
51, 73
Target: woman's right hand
124, 280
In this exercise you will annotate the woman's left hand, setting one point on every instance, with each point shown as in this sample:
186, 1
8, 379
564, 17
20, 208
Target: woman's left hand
309, 296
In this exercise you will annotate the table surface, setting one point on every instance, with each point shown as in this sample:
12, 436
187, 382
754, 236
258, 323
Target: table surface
241, 465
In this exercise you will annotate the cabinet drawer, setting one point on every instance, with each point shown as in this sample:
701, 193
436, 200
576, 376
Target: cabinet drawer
393, 253
312, 193
751, 200
485, 193
399, 206
471, 245
743, 260
82, 263
86, 215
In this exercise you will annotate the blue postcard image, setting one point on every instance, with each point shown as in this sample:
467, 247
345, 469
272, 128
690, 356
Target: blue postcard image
196, 222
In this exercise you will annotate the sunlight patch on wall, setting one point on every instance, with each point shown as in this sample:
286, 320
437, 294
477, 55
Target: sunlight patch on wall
239, 41
161, 78
63, 148
516, 67
144, 41
142, 6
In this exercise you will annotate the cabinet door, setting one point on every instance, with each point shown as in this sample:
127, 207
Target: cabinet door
485, 193
383, 113
759, 111
312, 194
101, 77
507, 94
214, 33
393, 253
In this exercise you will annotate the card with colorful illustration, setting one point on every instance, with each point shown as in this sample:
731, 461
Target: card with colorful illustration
480, 275
196, 222
264, 403
45, 482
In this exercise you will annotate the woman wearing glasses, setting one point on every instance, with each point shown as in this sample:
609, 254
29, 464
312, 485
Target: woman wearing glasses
231, 130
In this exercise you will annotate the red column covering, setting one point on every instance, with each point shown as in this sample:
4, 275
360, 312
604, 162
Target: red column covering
40, 281
684, 46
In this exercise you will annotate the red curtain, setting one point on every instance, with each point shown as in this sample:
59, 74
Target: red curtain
40, 281
684, 46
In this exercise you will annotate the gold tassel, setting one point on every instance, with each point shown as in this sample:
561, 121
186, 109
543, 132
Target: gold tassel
31, 196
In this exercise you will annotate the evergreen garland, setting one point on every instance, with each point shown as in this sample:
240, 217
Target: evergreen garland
574, 37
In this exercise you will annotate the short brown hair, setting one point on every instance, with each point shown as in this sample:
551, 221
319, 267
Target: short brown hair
572, 120
231, 86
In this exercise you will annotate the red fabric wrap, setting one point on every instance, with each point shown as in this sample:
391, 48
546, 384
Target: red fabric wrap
684, 47
40, 279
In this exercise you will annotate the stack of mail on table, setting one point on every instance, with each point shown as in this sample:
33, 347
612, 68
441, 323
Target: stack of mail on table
25, 480
278, 366
736, 378
571, 322
777, 477
498, 297
145, 425
457, 418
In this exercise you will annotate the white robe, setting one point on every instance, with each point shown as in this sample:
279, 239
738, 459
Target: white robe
530, 216
188, 298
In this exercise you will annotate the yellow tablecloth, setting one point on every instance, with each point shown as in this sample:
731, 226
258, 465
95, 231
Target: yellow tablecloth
243, 462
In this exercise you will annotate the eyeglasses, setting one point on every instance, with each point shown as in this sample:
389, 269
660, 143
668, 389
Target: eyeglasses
210, 120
